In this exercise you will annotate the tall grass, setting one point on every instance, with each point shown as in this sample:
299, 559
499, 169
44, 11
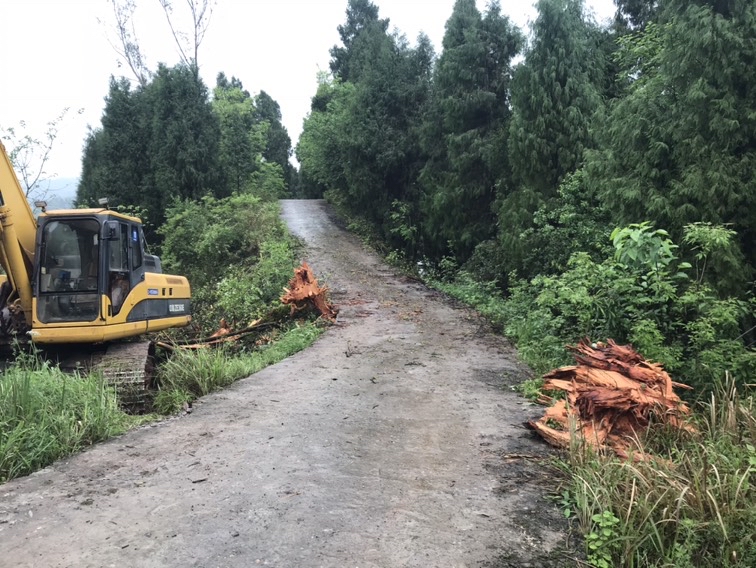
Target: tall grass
693, 505
46, 414
188, 375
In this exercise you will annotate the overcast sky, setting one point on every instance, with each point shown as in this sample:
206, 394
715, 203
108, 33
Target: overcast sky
56, 54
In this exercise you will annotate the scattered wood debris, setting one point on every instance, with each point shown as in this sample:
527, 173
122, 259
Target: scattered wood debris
223, 330
304, 291
612, 395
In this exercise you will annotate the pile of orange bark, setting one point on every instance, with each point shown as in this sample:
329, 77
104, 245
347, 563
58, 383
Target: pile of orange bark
612, 395
304, 291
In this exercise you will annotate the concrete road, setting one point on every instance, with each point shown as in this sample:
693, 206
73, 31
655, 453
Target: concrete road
394, 441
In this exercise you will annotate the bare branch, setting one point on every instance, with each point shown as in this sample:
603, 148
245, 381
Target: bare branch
201, 11
201, 15
30, 155
129, 49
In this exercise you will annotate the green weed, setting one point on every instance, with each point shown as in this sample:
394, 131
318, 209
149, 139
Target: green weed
46, 414
188, 375
692, 505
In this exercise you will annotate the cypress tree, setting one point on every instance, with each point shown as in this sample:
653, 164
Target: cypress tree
465, 129
681, 147
554, 97
157, 143
277, 143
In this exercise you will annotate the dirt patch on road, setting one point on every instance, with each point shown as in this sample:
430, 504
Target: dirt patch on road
394, 441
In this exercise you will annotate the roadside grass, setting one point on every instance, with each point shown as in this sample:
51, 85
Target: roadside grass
693, 505
46, 414
188, 375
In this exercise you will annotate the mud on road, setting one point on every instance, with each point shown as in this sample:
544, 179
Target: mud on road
393, 441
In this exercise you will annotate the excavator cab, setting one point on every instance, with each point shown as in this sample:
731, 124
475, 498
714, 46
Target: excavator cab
96, 282
79, 275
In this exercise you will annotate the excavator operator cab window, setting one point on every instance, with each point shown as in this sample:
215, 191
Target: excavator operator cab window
68, 274
136, 247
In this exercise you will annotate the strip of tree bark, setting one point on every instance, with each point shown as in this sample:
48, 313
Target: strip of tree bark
611, 397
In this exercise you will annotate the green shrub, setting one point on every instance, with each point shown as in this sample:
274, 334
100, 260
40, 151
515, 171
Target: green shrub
245, 293
236, 252
204, 238
642, 295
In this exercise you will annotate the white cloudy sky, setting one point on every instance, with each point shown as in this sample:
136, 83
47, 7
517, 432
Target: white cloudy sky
55, 54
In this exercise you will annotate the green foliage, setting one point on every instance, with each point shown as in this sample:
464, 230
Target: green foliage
554, 96
241, 139
636, 13
235, 251
401, 226
319, 151
464, 130
157, 143
641, 295
278, 143
360, 141
244, 293
46, 414
639, 245
715, 344
532, 389
361, 18
601, 541
573, 220
679, 148
719, 262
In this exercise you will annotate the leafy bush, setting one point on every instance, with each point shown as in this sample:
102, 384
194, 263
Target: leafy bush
245, 293
204, 238
642, 295
236, 252
574, 220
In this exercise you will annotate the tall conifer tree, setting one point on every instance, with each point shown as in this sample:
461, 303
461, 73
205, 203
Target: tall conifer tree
465, 129
554, 96
681, 147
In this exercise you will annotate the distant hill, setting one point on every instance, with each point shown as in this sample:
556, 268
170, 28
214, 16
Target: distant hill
59, 193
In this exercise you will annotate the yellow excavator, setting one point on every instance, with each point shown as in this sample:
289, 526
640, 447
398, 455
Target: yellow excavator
79, 276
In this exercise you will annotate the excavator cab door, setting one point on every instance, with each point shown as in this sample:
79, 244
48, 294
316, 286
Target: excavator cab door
125, 256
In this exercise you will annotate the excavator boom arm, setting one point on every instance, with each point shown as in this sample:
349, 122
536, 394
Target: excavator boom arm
18, 230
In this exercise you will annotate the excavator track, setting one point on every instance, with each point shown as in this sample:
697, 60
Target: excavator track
129, 368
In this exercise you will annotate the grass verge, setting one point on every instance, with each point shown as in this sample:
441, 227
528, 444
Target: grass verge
46, 414
188, 375
694, 505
